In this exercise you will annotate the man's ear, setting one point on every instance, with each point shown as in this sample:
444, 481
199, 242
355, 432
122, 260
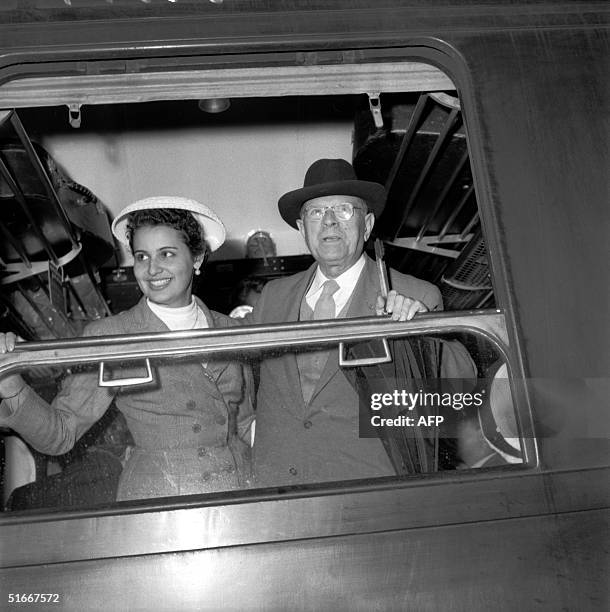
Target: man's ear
369, 223
301, 227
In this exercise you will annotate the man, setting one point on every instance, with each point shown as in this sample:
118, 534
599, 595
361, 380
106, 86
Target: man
307, 410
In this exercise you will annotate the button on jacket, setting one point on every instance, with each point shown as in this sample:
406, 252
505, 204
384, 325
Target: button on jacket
186, 424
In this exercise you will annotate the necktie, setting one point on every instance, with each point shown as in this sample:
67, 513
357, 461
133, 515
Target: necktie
325, 306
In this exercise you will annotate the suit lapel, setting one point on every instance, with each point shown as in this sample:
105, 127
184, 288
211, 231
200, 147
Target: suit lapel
291, 310
361, 304
365, 292
146, 320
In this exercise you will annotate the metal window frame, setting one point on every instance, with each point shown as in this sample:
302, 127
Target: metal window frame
213, 341
243, 517
149, 527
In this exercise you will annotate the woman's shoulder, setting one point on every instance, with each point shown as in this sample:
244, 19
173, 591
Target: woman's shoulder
217, 318
222, 320
124, 322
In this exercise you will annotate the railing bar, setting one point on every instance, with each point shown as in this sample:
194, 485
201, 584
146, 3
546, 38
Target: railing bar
456, 211
432, 159
16, 362
441, 198
405, 144
16, 245
308, 329
42, 174
407, 139
4, 115
485, 298
94, 282
473, 221
20, 197
12, 183
489, 324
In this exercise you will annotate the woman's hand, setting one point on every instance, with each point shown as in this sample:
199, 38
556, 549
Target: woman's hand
10, 386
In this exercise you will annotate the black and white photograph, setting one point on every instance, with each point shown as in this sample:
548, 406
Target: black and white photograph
304, 305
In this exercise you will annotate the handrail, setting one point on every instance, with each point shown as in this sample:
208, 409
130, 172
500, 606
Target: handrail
489, 323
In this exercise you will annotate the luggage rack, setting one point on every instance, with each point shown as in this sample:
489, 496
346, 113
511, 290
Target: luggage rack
41, 241
431, 225
467, 278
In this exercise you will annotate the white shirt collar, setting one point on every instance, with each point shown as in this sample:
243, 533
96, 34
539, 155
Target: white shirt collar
184, 317
346, 281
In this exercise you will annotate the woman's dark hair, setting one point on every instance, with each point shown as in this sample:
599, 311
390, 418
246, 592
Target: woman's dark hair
181, 220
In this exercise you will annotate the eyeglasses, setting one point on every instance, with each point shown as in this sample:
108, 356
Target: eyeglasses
343, 211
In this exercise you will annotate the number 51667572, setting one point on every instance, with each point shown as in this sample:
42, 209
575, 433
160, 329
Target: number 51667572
33, 598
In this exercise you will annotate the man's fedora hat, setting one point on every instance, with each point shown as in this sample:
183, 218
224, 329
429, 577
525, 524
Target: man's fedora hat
327, 177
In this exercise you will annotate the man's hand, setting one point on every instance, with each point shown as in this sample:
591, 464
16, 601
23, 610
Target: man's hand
401, 308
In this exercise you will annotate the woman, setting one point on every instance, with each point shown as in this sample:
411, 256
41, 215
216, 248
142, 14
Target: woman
189, 424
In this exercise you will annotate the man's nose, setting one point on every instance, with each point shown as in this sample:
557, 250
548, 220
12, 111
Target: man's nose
329, 217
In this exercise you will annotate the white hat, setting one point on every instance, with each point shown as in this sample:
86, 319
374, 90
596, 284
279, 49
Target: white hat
213, 228
497, 418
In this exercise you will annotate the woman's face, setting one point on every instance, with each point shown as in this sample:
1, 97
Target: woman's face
163, 265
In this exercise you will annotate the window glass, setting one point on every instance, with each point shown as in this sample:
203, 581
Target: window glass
286, 417
442, 403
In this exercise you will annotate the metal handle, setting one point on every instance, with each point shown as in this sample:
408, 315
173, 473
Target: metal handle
351, 363
125, 382
384, 285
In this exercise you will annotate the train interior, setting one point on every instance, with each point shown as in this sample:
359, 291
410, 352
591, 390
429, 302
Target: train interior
66, 171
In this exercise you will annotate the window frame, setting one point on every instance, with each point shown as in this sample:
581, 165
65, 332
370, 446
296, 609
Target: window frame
241, 508
234, 518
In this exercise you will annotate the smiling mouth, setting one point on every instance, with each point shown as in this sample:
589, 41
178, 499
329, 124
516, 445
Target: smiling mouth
160, 283
331, 238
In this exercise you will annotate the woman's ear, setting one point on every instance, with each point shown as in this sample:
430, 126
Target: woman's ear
198, 263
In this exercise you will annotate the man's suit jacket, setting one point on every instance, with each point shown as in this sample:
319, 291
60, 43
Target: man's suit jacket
317, 442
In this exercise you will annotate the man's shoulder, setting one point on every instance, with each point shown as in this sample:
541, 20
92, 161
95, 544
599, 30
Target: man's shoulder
278, 298
287, 283
417, 288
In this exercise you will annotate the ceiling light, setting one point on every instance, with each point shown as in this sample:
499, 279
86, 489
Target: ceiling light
214, 105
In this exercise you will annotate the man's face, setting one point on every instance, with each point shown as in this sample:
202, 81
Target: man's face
335, 244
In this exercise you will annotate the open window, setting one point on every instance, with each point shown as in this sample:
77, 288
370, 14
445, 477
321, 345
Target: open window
237, 138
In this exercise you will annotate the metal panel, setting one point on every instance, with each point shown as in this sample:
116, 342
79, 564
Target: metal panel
500, 565
239, 518
234, 83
